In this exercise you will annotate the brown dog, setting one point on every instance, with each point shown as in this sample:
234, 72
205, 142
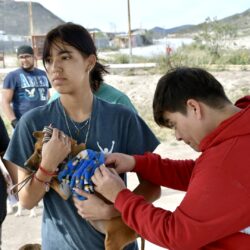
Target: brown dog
35, 159
117, 233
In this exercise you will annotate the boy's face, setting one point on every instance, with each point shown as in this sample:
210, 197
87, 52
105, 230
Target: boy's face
26, 61
189, 127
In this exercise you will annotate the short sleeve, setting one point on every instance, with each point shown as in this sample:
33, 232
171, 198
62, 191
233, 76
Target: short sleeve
9, 81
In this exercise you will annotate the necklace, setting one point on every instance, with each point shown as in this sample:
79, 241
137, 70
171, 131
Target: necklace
76, 127
85, 124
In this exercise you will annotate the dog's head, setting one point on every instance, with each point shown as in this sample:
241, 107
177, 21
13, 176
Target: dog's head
31, 247
34, 160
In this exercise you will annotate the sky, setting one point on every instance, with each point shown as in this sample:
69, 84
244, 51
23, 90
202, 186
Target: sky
112, 15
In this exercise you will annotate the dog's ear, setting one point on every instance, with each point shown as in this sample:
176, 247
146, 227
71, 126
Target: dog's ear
33, 162
38, 134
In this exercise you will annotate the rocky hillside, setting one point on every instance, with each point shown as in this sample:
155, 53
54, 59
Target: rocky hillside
14, 18
241, 21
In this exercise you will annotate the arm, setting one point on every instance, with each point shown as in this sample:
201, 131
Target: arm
53, 153
12, 170
7, 97
4, 142
210, 211
165, 172
207, 213
174, 174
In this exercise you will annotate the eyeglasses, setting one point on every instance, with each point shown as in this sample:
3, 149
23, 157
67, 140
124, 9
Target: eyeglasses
25, 57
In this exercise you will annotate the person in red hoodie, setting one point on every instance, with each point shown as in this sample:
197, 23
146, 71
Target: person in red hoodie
215, 212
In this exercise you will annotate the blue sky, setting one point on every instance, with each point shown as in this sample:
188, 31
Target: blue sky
111, 15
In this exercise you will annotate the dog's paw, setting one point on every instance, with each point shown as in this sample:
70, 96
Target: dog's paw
32, 214
18, 214
10, 209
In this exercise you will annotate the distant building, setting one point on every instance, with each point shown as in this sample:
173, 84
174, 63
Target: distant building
100, 38
138, 38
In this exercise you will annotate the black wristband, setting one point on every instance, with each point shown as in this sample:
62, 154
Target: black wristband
14, 123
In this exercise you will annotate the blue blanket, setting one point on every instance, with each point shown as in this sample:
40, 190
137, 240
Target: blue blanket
78, 171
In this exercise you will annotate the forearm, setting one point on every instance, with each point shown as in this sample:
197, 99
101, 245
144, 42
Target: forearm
34, 190
8, 111
165, 172
12, 170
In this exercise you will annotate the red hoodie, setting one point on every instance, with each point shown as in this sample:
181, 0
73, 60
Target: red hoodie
216, 206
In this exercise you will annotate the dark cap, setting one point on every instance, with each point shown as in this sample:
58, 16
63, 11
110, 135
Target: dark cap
25, 49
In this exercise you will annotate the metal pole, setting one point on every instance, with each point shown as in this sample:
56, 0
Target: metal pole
129, 32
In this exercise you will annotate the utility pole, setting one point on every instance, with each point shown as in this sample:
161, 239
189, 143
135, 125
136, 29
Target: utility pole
31, 19
129, 32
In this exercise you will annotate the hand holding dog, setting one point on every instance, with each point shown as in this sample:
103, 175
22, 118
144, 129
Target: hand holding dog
93, 208
108, 182
55, 150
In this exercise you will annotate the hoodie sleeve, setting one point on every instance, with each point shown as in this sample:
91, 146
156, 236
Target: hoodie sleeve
212, 214
174, 174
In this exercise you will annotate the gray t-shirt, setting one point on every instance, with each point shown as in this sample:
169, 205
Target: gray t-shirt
111, 126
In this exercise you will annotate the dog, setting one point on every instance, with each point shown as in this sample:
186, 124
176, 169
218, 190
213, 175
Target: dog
18, 210
34, 160
117, 233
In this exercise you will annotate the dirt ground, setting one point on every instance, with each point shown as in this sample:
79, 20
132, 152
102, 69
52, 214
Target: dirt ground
140, 88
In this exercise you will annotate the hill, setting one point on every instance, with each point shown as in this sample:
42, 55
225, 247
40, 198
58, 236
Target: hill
14, 18
159, 32
241, 21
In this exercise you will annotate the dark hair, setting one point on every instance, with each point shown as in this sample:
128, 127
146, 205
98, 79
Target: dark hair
78, 37
180, 84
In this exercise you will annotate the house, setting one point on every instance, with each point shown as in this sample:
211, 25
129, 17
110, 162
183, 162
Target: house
100, 38
138, 38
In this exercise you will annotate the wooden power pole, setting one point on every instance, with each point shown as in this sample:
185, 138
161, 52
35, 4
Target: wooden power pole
31, 19
129, 32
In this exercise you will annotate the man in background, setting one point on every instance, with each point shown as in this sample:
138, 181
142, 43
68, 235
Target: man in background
24, 88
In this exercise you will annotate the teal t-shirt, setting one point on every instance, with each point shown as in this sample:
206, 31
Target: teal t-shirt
107, 93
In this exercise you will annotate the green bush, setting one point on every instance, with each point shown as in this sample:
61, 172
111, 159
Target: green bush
239, 57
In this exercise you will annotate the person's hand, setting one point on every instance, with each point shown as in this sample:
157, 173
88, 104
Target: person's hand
55, 150
93, 208
107, 182
121, 162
